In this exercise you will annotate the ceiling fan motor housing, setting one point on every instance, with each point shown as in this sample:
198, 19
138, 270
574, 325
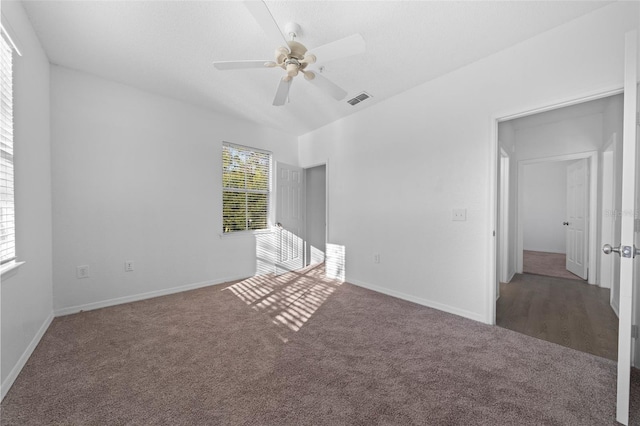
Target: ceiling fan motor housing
295, 58
298, 50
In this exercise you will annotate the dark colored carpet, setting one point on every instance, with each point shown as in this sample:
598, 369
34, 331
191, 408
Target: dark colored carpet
301, 350
570, 313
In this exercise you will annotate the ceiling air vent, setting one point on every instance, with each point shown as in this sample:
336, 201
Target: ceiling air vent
361, 97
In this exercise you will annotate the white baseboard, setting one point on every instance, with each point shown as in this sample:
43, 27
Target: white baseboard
13, 375
141, 296
616, 308
425, 302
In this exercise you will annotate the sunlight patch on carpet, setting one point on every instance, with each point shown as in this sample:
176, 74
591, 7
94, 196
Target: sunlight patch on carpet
290, 299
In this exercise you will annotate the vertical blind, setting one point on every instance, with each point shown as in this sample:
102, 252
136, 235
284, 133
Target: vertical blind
7, 210
246, 176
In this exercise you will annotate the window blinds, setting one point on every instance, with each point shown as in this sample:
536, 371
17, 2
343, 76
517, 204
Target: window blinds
7, 210
246, 176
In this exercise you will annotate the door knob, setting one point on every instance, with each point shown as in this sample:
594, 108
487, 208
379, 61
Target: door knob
624, 251
565, 223
607, 249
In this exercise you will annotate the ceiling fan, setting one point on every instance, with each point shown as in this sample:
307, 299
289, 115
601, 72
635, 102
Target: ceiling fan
293, 57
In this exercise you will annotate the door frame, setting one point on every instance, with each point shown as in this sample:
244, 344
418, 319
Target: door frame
609, 203
494, 164
592, 228
327, 189
503, 227
326, 201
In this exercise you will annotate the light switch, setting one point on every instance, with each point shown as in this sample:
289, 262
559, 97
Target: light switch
82, 271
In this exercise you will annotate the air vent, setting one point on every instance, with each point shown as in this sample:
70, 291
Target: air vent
361, 97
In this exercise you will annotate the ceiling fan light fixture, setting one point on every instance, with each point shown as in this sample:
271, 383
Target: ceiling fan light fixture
293, 57
309, 59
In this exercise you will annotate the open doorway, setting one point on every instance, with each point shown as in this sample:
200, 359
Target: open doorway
316, 214
558, 199
299, 237
551, 154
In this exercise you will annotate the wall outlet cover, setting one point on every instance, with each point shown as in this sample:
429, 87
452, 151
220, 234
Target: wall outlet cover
459, 214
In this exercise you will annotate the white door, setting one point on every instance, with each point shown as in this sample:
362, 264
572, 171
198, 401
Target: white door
628, 236
577, 203
289, 217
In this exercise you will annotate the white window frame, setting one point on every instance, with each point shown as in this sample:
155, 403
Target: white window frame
9, 39
268, 192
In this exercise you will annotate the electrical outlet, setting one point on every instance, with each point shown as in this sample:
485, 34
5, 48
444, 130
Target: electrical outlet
128, 266
82, 271
459, 214
376, 258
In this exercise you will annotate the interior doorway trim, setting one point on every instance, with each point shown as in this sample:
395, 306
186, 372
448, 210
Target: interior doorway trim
324, 163
609, 218
592, 252
503, 227
494, 164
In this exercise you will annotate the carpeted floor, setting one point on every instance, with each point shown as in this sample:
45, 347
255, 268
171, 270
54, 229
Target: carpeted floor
302, 350
549, 264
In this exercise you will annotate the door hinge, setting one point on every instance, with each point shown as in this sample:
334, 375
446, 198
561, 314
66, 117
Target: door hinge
634, 331
636, 225
637, 118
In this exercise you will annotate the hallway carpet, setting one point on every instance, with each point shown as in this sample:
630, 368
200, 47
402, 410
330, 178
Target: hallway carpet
549, 264
302, 350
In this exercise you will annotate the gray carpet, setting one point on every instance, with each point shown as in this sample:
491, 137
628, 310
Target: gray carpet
301, 350
549, 264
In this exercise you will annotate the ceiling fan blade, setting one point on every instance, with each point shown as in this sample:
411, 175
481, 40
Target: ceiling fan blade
282, 92
348, 46
332, 89
263, 16
237, 65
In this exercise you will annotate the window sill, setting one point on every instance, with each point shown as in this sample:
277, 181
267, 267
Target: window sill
242, 234
9, 268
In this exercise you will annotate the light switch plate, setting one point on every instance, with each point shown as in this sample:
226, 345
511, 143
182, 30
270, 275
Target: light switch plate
82, 271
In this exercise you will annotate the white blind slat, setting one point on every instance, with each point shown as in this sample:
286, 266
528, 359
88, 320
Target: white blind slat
246, 177
7, 205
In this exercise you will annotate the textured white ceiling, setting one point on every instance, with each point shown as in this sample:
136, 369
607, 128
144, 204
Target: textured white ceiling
167, 47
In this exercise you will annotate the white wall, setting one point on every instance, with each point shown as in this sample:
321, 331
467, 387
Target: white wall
26, 293
316, 213
137, 177
545, 206
399, 167
566, 136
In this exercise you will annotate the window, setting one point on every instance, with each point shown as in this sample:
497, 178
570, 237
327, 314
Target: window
7, 210
246, 184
